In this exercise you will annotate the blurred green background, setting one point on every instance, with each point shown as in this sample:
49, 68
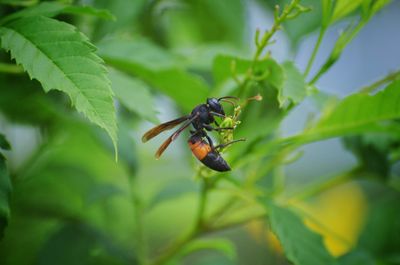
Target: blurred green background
72, 203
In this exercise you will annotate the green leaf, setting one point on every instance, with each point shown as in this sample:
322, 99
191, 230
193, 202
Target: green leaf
357, 257
381, 234
51, 9
294, 87
343, 8
5, 193
85, 245
127, 19
134, 94
156, 67
206, 21
357, 113
4, 144
61, 58
301, 245
226, 66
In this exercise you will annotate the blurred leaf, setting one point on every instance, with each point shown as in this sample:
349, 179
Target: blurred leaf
5, 193
85, 245
127, 152
24, 237
18, 2
301, 245
221, 245
357, 112
294, 87
52, 9
4, 144
204, 21
36, 107
357, 257
127, 19
225, 67
173, 190
381, 233
343, 8
378, 5
201, 57
156, 67
61, 58
372, 151
134, 94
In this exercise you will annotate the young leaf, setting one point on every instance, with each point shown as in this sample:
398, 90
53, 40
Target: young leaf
5, 192
294, 87
61, 58
301, 245
344, 8
134, 94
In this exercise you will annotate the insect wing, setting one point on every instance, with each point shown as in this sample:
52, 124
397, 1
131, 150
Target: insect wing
175, 135
163, 127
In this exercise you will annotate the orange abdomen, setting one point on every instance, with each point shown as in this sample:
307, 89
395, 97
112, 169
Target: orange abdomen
200, 149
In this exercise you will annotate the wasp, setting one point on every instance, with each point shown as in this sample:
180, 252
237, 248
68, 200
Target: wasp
201, 118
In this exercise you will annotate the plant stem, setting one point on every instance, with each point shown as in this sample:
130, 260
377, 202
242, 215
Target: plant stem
390, 77
11, 68
315, 50
202, 205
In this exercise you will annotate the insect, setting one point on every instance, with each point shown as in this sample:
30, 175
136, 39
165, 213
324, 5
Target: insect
201, 118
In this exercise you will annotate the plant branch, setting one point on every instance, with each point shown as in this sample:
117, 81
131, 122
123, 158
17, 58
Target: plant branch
315, 51
390, 77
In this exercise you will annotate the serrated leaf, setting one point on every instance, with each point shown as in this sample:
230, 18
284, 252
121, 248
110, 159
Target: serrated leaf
301, 245
4, 144
134, 94
294, 87
156, 67
61, 58
5, 193
51, 9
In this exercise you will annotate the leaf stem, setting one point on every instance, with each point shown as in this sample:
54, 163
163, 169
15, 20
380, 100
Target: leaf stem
315, 51
390, 77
